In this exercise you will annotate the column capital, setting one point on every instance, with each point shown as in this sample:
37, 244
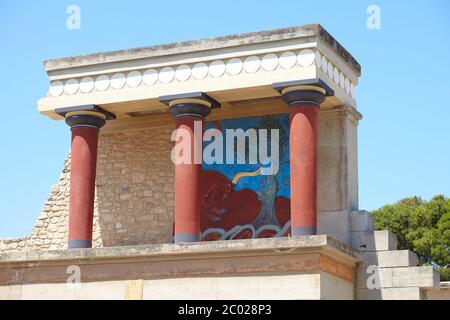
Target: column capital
85, 116
196, 104
304, 91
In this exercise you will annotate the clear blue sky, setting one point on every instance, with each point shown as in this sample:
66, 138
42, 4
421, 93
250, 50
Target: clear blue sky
404, 138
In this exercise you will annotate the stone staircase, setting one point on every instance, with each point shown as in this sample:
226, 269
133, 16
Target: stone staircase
385, 272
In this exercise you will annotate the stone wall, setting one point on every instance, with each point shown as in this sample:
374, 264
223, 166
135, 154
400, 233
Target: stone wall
135, 184
386, 273
50, 230
134, 197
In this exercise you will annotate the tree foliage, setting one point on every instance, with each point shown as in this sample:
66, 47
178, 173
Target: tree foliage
421, 226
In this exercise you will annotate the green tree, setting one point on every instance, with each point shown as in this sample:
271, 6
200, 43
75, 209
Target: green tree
421, 226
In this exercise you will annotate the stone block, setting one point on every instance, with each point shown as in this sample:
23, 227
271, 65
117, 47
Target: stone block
342, 237
10, 292
413, 293
335, 224
303, 286
373, 240
134, 289
361, 221
110, 290
424, 277
334, 288
374, 278
389, 259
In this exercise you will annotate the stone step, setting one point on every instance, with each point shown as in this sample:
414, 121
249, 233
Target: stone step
413, 293
361, 221
365, 241
389, 259
424, 277
376, 278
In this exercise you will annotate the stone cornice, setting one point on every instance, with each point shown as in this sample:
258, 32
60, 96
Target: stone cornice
309, 254
295, 32
128, 84
164, 251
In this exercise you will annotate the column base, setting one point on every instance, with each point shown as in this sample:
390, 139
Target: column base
80, 244
187, 237
303, 231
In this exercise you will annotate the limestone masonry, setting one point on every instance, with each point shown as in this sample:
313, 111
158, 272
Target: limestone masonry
134, 193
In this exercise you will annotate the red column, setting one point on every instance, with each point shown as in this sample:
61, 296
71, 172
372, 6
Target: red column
85, 126
303, 163
304, 98
189, 110
82, 186
187, 182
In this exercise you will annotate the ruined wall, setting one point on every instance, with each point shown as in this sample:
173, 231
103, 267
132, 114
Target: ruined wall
134, 196
135, 187
50, 230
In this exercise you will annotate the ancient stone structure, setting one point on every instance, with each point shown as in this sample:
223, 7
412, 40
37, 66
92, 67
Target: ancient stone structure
134, 224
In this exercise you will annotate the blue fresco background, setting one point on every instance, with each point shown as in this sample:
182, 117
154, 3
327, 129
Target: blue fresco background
230, 170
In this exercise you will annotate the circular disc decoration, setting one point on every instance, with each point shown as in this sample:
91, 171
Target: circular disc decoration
353, 90
118, 80
306, 57
102, 83
234, 66
252, 64
288, 60
318, 59
347, 85
217, 68
166, 74
183, 73
56, 88
324, 64
342, 80
134, 79
87, 84
336, 75
200, 71
71, 86
330, 70
269, 62
150, 77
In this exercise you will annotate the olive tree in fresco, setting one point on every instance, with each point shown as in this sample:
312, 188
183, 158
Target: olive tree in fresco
269, 184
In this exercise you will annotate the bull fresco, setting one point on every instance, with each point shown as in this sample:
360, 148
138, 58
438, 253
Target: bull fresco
237, 201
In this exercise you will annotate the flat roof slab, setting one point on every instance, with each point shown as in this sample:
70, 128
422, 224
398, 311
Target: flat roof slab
230, 69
